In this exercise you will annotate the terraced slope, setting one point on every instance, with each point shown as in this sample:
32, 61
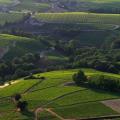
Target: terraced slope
79, 17
66, 101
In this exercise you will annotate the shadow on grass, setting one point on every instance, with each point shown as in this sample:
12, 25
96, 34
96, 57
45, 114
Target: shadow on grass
28, 114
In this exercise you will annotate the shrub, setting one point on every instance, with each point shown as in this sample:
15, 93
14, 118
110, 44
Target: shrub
79, 78
22, 105
17, 97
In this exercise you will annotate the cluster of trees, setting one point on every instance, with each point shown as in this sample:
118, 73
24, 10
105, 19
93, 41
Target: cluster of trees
99, 59
20, 67
20, 105
107, 60
104, 83
79, 78
97, 81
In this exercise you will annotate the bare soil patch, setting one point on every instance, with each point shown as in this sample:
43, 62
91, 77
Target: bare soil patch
113, 104
7, 84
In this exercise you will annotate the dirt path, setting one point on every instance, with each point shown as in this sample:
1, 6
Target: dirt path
113, 104
39, 110
7, 84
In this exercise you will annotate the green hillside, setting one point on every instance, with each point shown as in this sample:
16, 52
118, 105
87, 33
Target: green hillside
66, 101
10, 17
59, 59
79, 17
17, 45
104, 6
6, 1
31, 5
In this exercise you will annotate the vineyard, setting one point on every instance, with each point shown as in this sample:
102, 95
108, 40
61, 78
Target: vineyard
59, 59
79, 17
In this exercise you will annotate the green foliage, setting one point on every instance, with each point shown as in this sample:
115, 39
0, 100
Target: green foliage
105, 83
79, 77
17, 97
53, 93
22, 105
116, 44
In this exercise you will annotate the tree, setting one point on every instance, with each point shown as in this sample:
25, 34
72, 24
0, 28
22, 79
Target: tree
22, 105
17, 97
113, 69
116, 44
79, 77
104, 83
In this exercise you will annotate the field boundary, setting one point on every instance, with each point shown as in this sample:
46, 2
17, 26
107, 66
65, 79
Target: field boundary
100, 118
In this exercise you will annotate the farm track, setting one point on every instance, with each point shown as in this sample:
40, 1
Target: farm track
38, 110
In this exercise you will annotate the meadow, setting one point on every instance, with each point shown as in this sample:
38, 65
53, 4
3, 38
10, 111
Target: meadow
66, 101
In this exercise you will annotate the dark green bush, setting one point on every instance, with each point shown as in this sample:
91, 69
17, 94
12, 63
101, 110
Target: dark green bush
104, 82
79, 78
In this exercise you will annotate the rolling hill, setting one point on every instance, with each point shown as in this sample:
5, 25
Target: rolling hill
54, 93
43, 43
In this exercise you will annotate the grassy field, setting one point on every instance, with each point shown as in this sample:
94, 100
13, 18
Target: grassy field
79, 17
67, 101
